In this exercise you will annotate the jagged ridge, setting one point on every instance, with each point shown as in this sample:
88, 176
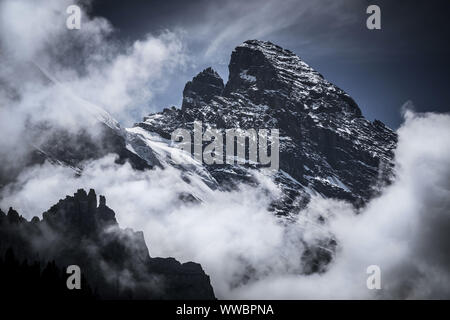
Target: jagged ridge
115, 261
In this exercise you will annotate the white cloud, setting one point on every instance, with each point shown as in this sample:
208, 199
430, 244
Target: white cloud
127, 83
88, 68
404, 231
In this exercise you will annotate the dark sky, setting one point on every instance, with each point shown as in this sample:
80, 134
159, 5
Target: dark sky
408, 59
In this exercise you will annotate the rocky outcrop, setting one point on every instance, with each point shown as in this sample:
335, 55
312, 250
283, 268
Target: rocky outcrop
115, 262
202, 89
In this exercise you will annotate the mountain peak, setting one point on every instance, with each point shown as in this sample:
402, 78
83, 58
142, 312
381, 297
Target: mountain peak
272, 52
202, 87
266, 68
264, 65
326, 145
264, 46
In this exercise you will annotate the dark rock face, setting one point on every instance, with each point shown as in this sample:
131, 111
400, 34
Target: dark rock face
202, 89
115, 262
326, 145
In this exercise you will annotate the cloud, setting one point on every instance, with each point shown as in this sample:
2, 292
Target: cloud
126, 85
89, 62
215, 232
248, 252
61, 79
404, 231
251, 254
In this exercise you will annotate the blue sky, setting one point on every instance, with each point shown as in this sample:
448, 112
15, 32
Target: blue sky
406, 60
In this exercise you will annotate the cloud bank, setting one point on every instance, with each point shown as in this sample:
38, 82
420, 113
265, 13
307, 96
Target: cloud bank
251, 254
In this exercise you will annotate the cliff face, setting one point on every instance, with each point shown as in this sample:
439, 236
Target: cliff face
115, 262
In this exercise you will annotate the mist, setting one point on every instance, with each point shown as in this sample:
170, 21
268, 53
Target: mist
251, 254
247, 251
60, 79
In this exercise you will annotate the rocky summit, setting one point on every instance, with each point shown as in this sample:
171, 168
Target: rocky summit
327, 147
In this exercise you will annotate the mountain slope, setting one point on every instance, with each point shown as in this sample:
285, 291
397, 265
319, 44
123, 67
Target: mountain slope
326, 146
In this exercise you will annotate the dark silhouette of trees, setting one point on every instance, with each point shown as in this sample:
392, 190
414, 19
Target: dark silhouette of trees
24, 280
